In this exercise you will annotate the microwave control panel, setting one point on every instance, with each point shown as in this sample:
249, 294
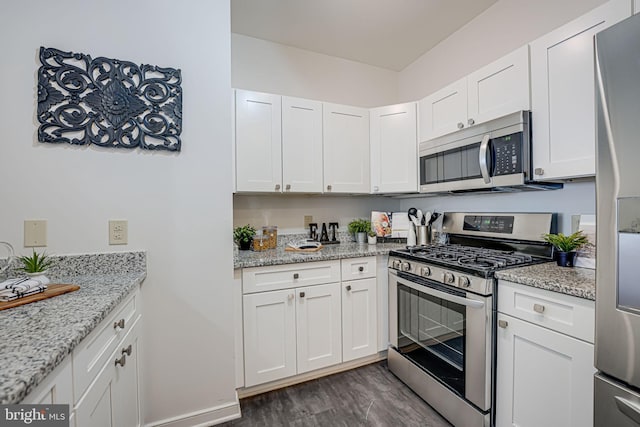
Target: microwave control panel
508, 154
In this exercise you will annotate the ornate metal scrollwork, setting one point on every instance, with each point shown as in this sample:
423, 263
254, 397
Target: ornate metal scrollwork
108, 102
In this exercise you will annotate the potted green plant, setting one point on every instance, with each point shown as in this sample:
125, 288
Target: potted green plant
243, 236
359, 228
36, 264
566, 246
372, 238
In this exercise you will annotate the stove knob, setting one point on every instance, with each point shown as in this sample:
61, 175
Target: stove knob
464, 282
406, 266
425, 271
448, 278
396, 264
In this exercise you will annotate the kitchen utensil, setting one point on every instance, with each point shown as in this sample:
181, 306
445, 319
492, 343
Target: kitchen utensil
420, 216
411, 236
51, 291
433, 218
424, 218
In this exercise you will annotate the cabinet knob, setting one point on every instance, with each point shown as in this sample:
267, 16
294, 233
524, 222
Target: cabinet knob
287, 187
301, 294
538, 171
460, 125
376, 188
122, 361
127, 350
538, 308
290, 297
119, 324
361, 269
471, 122
348, 287
277, 186
328, 188
296, 276
503, 323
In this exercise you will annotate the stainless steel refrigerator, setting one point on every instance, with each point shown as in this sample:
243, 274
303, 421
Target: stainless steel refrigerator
617, 340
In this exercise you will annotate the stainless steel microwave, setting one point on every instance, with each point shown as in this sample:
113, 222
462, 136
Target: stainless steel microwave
492, 156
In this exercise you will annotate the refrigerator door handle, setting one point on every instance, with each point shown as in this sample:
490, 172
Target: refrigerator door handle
629, 408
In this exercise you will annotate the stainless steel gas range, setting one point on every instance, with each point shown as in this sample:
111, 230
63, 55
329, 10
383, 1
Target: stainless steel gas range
442, 308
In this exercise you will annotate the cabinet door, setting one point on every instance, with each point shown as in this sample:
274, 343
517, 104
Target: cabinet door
443, 112
319, 339
301, 145
563, 94
499, 88
544, 378
394, 142
359, 319
269, 336
56, 388
346, 149
258, 141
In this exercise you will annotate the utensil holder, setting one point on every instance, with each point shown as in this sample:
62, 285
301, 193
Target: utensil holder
423, 235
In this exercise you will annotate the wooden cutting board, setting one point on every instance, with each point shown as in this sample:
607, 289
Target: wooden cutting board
51, 291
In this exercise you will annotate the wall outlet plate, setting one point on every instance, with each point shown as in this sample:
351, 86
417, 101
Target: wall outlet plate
35, 233
118, 232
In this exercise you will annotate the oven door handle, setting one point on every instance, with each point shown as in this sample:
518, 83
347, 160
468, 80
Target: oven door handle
439, 294
482, 157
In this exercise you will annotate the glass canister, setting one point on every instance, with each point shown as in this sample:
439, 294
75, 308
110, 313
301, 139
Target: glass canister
260, 243
272, 232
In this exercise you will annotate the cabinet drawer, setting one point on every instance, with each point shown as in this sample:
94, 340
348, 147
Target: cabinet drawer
358, 268
559, 312
94, 350
259, 279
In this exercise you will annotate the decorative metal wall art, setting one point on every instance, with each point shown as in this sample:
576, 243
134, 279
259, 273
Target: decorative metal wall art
108, 102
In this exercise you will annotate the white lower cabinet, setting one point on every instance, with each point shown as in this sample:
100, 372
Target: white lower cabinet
543, 377
359, 319
294, 330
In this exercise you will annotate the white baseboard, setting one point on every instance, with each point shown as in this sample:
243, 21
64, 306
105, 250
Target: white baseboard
203, 418
286, 382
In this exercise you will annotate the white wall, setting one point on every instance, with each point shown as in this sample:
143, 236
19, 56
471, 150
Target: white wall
502, 28
574, 199
265, 66
287, 211
173, 210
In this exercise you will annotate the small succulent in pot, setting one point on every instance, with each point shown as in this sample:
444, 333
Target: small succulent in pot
243, 236
567, 245
359, 228
35, 263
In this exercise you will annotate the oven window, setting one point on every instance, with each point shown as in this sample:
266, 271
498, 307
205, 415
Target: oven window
431, 332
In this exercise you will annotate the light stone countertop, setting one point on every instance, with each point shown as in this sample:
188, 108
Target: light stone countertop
576, 281
37, 337
278, 256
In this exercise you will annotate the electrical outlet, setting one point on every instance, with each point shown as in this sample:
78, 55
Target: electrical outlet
35, 233
118, 232
308, 219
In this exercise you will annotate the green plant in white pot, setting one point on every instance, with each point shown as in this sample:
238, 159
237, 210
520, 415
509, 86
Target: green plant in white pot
359, 228
567, 246
36, 265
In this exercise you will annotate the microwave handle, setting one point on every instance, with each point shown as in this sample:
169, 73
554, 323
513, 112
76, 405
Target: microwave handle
484, 167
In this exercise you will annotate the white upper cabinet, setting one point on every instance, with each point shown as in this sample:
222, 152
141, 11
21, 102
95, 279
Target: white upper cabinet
258, 141
495, 90
394, 142
301, 145
346, 149
563, 94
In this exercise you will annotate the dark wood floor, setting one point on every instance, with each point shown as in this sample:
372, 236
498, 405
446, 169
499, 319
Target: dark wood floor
367, 396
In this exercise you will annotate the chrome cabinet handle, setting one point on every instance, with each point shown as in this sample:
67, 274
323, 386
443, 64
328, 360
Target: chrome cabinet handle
118, 324
538, 308
348, 287
503, 323
460, 125
122, 361
296, 276
288, 187
328, 188
471, 122
538, 171
301, 294
482, 157
127, 350
361, 269
277, 186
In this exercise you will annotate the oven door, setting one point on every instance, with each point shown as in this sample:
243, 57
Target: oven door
444, 331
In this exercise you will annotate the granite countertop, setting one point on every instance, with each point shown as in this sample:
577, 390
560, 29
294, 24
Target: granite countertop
37, 337
277, 256
579, 282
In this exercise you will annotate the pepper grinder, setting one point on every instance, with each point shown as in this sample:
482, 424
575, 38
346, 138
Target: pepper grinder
411, 236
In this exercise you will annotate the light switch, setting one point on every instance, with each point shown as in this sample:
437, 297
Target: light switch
118, 232
35, 233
